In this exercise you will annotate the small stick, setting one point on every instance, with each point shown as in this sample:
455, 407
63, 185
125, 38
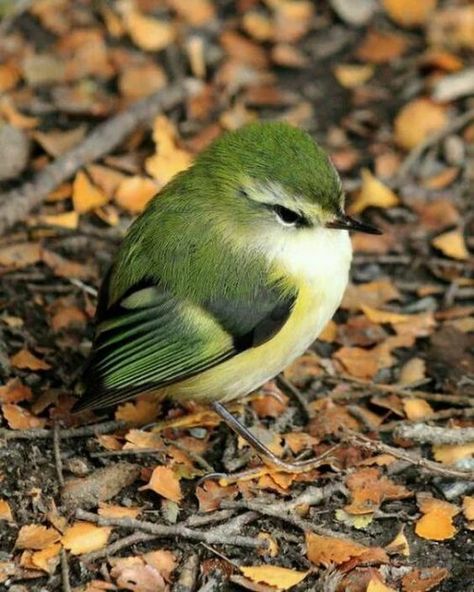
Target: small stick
409, 457
218, 535
57, 454
436, 416
16, 204
94, 429
65, 572
423, 433
290, 388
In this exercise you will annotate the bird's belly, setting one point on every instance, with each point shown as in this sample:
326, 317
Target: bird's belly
248, 370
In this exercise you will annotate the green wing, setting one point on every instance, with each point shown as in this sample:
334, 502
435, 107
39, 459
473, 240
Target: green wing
151, 338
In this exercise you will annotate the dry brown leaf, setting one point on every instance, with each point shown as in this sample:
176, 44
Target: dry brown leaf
19, 418
133, 193
84, 537
65, 220
5, 511
14, 117
270, 405
288, 55
85, 195
165, 482
353, 75
14, 391
372, 294
197, 13
399, 545
384, 316
243, 50
141, 411
47, 559
380, 48
148, 33
424, 579
412, 371
20, 255
132, 573
369, 489
442, 179
449, 454
416, 409
141, 80
273, 575
36, 537
373, 193
417, 120
257, 25
375, 585
57, 142
106, 178
65, 268
407, 13
325, 550
468, 507
210, 494
293, 19
452, 244
25, 360
9, 76
68, 316
359, 362
436, 524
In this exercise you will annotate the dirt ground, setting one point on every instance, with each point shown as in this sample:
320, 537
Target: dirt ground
399, 352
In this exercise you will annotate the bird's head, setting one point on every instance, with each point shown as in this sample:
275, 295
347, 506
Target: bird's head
272, 176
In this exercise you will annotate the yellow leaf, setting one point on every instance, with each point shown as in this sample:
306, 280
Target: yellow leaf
452, 245
280, 577
416, 408
165, 482
134, 193
84, 537
373, 193
148, 33
468, 507
408, 13
399, 545
375, 585
47, 559
5, 511
412, 371
383, 316
417, 120
448, 454
64, 220
353, 75
35, 536
85, 195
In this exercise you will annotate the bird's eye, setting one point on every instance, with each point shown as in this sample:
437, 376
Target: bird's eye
289, 217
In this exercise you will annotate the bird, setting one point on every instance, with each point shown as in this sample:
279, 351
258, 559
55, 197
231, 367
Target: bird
229, 274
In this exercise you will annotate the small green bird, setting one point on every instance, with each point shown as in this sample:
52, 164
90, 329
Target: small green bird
229, 274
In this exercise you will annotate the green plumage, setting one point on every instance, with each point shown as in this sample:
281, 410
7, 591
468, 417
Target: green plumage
192, 283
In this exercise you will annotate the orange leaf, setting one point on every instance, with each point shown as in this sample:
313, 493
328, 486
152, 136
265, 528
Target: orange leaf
20, 255
437, 522
417, 120
423, 579
35, 536
353, 75
324, 550
133, 193
148, 33
165, 482
84, 537
273, 575
197, 13
416, 409
468, 507
380, 48
85, 195
407, 13
47, 559
25, 360
139, 412
449, 454
15, 392
382, 316
5, 511
373, 193
19, 418
452, 245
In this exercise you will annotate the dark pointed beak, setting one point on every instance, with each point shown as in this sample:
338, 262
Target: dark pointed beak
344, 222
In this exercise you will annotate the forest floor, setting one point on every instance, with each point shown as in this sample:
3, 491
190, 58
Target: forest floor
100, 104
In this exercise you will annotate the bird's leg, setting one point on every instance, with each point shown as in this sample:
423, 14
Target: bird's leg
265, 453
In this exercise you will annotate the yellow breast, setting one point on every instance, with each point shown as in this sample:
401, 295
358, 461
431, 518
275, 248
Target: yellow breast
319, 268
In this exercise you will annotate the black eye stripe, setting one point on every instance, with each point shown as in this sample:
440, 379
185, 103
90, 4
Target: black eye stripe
290, 217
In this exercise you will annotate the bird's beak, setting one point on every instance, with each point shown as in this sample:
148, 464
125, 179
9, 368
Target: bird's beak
345, 222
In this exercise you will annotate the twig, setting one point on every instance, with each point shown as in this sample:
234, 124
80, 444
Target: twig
289, 387
423, 433
436, 416
227, 535
81, 432
415, 154
409, 457
194, 456
65, 572
17, 203
57, 454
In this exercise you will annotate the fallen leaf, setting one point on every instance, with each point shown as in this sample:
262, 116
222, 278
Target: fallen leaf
141, 80
442, 179
5, 511
133, 193
449, 454
399, 545
65, 220
257, 25
325, 550
165, 482
14, 391
353, 75
423, 579
437, 214
292, 19
84, 537
375, 585
14, 117
132, 573
407, 13
288, 55
452, 27
197, 13
243, 50
25, 360
19, 418
358, 521
372, 294
359, 362
148, 33
436, 524
273, 575
372, 193
379, 47
111, 511
369, 488
417, 120
9, 76
85, 195
452, 245
416, 409
468, 507
47, 559
68, 316
412, 371
57, 142
384, 316
37, 537
139, 412
20, 255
